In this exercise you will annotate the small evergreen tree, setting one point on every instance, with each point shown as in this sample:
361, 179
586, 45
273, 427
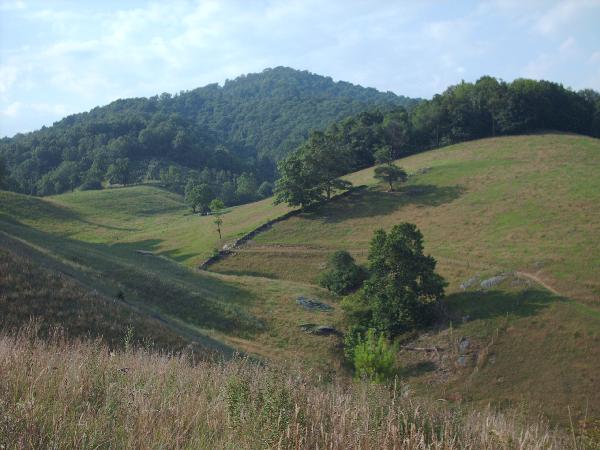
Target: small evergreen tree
374, 358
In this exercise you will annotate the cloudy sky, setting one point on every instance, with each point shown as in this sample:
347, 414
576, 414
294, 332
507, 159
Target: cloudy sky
60, 57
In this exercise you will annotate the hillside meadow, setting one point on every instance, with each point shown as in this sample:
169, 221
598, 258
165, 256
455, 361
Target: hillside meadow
521, 207
525, 208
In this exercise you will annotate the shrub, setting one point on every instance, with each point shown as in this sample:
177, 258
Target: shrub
374, 358
344, 275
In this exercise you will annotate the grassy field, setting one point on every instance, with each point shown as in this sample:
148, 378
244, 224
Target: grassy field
142, 217
63, 395
526, 204
46, 300
94, 238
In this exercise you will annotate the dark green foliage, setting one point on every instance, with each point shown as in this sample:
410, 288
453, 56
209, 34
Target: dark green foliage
118, 172
466, 111
198, 196
241, 127
311, 174
171, 177
265, 190
390, 173
343, 275
374, 358
403, 290
298, 184
387, 171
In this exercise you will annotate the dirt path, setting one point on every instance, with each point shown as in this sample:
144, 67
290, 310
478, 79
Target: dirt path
538, 280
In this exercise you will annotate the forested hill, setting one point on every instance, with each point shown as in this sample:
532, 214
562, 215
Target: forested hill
486, 108
224, 131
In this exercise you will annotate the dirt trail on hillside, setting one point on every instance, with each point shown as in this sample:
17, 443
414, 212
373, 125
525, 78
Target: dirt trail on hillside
538, 280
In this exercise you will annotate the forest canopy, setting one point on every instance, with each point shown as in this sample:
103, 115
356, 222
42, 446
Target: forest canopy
214, 134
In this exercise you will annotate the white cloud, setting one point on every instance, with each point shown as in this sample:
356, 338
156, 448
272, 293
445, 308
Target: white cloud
563, 13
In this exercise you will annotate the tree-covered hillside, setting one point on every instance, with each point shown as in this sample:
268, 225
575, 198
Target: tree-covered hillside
214, 135
466, 111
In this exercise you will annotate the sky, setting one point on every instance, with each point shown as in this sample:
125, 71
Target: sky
62, 57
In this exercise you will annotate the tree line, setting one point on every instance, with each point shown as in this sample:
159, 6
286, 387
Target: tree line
486, 108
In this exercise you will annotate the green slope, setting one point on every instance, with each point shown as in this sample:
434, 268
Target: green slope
518, 204
526, 204
96, 238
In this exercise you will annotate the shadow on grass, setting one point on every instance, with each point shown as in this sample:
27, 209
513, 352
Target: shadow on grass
373, 202
496, 303
155, 284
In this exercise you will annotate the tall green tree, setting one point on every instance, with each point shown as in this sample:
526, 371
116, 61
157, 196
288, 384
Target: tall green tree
298, 183
403, 289
198, 196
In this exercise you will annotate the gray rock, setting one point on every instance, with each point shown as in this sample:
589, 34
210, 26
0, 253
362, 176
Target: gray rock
491, 282
319, 330
325, 330
469, 283
313, 304
462, 361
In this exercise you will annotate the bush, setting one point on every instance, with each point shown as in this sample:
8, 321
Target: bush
374, 358
344, 275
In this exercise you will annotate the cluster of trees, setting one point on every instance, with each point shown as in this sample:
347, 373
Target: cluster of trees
312, 173
201, 189
398, 292
238, 128
488, 107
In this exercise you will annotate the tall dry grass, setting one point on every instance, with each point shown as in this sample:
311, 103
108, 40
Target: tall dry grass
60, 394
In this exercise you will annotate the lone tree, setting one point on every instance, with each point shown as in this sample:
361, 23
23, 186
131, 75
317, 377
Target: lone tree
388, 171
403, 289
298, 184
198, 196
216, 206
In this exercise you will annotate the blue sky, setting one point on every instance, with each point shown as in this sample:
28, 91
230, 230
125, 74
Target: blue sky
61, 57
